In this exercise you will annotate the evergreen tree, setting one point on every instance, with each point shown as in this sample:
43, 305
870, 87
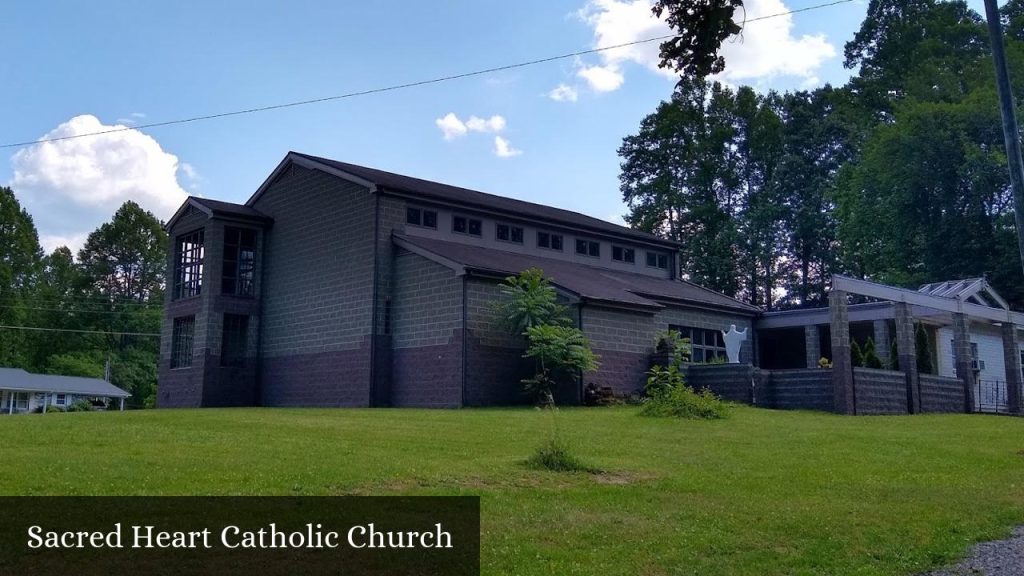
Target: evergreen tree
922, 345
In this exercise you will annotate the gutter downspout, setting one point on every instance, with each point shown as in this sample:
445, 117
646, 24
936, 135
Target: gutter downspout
373, 401
579, 322
465, 337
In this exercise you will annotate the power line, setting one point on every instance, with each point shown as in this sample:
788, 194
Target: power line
398, 86
38, 329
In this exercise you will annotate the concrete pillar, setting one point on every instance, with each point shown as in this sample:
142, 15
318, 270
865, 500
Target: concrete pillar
882, 340
842, 362
812, 343
1011, 358
962, 353
907, 354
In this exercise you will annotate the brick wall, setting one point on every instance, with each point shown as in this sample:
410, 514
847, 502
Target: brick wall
494, 363
941, 394
733, 382
183, 387
426, 334
624, 340
879, 391
317, 291
797, 389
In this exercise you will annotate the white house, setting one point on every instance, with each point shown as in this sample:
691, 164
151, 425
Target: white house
22, 392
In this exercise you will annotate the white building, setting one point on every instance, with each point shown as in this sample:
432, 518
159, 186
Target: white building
22, 392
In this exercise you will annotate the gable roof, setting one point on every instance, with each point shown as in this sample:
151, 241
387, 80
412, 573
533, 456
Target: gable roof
588, 282
380, 180
20, 380
217, 209
975, 290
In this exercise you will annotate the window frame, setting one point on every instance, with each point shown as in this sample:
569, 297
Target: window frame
422, 215
60, 399
627, 255
658, 258
180, 341
238, 327
242, 269
468, 221
717, 348
590, 245
189, 264
510, 230
551, 236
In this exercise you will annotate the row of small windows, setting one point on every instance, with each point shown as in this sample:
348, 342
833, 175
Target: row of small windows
515, 234
234, 341
239, 263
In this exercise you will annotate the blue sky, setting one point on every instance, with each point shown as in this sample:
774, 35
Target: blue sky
124, 62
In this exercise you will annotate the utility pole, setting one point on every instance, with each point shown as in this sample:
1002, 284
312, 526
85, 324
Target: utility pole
1010, 133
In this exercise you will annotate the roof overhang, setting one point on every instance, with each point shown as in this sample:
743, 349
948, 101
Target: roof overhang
951, 305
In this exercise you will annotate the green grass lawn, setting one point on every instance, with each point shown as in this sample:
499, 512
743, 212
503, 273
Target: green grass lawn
764, 492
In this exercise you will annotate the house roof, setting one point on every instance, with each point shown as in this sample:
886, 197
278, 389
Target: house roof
976, 290
587, 282
218, 209
428, 190
20, 380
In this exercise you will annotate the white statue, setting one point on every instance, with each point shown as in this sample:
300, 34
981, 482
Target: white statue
733, 341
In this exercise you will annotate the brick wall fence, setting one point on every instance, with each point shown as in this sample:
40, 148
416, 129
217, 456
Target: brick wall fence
941, 394
877, 391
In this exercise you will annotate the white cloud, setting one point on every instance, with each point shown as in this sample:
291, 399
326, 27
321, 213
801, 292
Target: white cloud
563, 93
766, 49
72, 186
51, 242
602, 78
492, 124
504, 149
451, 126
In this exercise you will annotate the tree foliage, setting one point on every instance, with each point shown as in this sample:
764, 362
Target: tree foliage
115, 286
899, 176
701, 27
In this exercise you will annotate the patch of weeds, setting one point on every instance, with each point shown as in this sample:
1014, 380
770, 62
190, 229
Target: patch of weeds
681, 401
556, 456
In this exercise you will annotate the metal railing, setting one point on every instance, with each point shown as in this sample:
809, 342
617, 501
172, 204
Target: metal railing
991, 396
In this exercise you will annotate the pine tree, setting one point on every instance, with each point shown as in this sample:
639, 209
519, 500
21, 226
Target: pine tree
922, 344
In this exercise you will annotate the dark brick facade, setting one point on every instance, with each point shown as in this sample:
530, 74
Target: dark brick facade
342, 316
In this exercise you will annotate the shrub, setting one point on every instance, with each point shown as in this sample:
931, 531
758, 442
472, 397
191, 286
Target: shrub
555, 456
856, 356
672, 342
923, 348
869, 356
824, 362
668, 395
684, 402
52, 409
80, 405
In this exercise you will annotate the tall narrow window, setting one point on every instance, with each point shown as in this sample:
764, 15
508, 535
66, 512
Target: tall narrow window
181, 341
234, 340
239, 262
188, 265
